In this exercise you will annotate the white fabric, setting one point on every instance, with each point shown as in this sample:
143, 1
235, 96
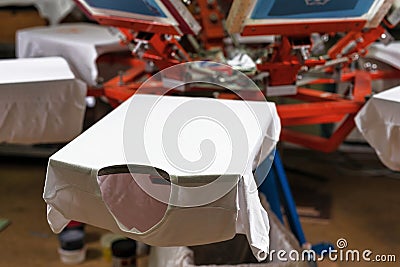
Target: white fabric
281, 239
242, 62
52, 10
379, 123
389, 54
83, 182
40, 101
79, 43
34, 70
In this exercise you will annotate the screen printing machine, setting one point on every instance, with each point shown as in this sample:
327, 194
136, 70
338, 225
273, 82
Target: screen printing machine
237, 54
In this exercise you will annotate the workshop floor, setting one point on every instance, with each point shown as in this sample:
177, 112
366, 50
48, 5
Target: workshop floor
364, 211
365, 200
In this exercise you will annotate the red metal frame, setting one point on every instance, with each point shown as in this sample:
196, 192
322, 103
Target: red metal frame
143, 25
137, 25
324, 108
283, 60
165, 53
355, 42
210, 18
304, 27
317, 107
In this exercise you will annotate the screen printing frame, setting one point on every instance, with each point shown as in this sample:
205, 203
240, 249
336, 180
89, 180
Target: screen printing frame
239, 21
177, 21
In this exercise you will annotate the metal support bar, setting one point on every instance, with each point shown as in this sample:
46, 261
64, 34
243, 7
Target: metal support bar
288, 201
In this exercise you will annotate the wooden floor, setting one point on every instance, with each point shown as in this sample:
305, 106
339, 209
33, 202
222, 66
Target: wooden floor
365, 207
365, 200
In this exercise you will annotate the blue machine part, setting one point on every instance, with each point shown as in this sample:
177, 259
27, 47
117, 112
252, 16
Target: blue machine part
277, 190
141, 7
310, 9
